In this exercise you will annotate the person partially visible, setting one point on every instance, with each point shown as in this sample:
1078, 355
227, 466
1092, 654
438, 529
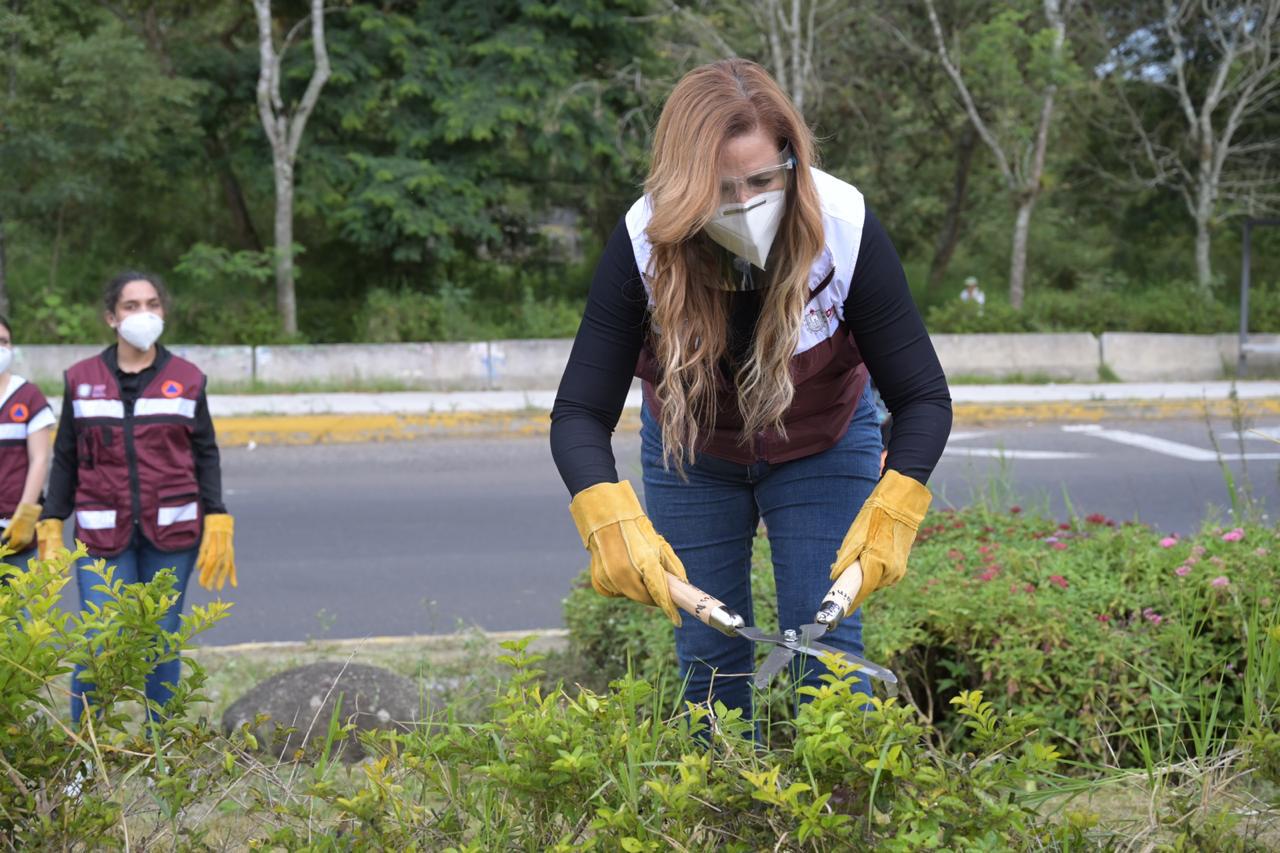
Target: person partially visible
137, 461
26, 423
755, 296
973, 294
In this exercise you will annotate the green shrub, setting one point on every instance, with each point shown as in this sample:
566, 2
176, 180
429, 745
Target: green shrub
607, 771
62, 788
1097, 308
1089, 625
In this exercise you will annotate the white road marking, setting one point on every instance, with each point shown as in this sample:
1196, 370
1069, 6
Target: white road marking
1260, 433
963, 436
1003, 453
1163, 446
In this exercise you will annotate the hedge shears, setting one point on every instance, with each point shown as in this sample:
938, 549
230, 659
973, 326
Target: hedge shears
709, 610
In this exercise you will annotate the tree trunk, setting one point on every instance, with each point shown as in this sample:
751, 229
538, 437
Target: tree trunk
57, 248
1018, 262
4, 273
949, 236
1202, 214
286, 301
233, 193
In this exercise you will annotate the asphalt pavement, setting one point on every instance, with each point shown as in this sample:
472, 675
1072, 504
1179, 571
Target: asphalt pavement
452, 530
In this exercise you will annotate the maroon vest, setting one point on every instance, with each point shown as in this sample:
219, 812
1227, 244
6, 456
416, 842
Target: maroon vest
829, 380
15, 415
136, 466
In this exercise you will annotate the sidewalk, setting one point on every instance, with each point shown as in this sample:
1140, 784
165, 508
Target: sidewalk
254, 419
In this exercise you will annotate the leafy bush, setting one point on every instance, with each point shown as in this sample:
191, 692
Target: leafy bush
592, 771
50, 318
62, 787
1115, 307
1094, 627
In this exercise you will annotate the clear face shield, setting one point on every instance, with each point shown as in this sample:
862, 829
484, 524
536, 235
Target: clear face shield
751, 208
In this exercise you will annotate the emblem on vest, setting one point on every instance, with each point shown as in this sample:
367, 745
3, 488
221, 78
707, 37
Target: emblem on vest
172, 389
82, 390
19, 413
815, 321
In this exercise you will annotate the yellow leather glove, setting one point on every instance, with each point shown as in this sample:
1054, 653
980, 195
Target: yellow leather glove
628, 557
48, 537
216, 560
882, 534
22, 527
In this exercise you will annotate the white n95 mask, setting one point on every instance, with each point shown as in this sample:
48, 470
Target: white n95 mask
142, 329
747, 229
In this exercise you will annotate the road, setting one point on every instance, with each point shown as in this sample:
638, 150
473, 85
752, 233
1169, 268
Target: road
423, 536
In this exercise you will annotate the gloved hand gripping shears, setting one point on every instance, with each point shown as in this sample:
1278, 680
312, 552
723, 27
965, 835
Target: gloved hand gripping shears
790, 642
709, 610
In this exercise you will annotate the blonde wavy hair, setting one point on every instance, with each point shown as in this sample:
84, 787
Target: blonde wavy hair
708, 107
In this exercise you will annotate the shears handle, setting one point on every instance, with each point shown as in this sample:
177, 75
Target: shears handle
839, 599
704, 606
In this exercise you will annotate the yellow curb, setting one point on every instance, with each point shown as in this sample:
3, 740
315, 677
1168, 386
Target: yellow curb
351, 429
348, 429
970, 413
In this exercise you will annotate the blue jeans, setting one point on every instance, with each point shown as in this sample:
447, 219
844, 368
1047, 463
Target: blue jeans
140, 563
710, 520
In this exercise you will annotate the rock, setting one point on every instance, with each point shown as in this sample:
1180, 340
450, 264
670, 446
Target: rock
299, 703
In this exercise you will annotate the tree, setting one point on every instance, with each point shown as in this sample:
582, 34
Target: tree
284, 132
1009, 95
1214, 70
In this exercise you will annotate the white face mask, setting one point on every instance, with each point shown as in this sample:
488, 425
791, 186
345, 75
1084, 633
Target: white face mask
6, 359
747, 229
142, 329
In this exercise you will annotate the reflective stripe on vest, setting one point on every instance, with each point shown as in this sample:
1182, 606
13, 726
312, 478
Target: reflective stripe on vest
96, 519
13, 432
146, 406
98, 409
173, 514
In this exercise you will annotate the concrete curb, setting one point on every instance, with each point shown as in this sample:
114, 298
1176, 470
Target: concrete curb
306, 419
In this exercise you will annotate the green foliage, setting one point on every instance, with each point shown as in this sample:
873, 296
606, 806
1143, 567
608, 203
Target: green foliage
605, 771
1176, 308
1091, 626
50, 318
61, 786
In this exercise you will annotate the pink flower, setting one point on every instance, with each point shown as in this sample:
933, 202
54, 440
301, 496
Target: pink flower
1233, 535
1261, 552
1058, 580
1220, 582
1182, 571
989, 574
1191, 561
1155, 619
1104, 617
1051, 539
1197, 550
1014, 510
1064, 526
1168, 541
1059, 546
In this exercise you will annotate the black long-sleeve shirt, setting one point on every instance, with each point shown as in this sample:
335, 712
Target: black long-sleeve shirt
63, 474
878, 310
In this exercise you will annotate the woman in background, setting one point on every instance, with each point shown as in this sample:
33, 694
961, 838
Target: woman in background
26, 423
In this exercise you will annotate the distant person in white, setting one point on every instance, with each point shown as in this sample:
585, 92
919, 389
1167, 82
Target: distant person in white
973, 293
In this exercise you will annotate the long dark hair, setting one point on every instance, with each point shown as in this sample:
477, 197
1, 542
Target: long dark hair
111, 293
